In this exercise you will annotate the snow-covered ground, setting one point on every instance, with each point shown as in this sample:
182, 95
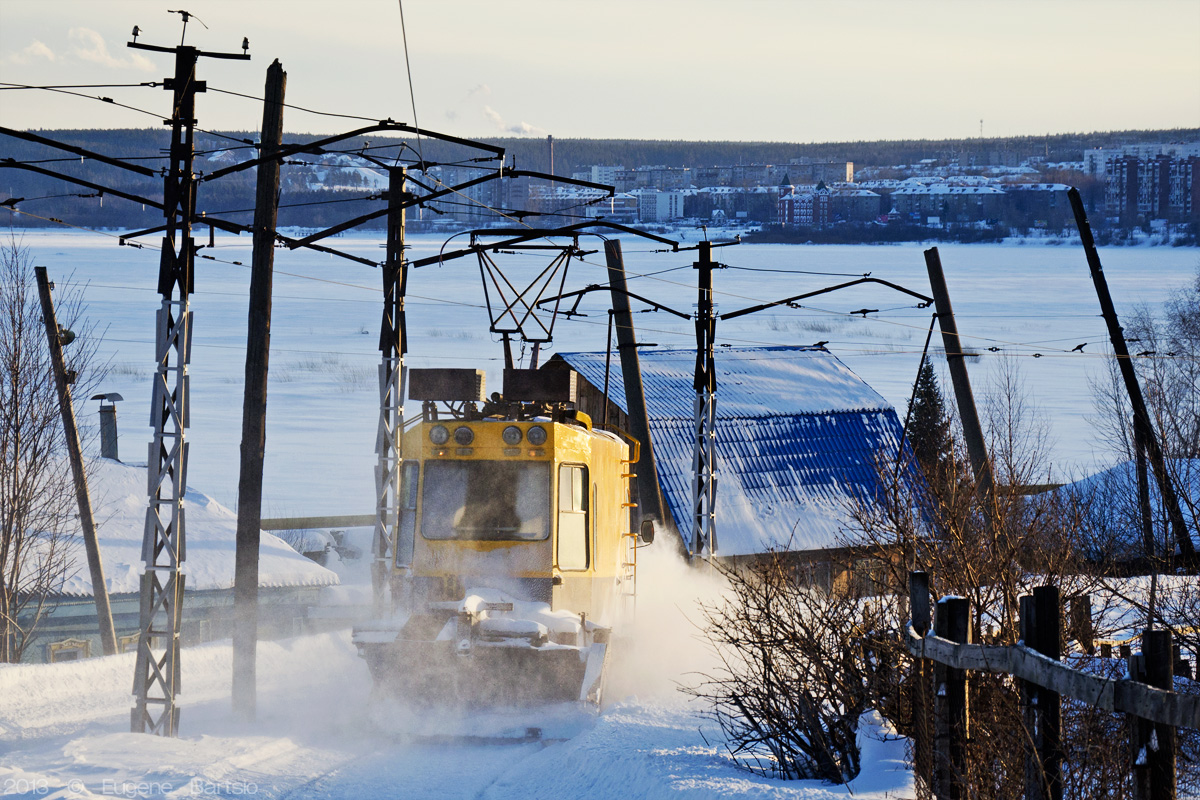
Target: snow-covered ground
63, 727
64, 731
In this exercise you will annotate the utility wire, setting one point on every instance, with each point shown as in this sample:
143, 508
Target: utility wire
297, 205
4, 86
408, 67
298, 108
800, 272
78, 158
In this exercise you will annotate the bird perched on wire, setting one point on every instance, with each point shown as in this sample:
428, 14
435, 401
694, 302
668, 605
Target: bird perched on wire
1078, 348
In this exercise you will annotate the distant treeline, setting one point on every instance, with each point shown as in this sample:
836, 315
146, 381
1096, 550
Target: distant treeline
306, 200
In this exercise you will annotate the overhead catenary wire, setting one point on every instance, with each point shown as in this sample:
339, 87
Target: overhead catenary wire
1060, 353
298, 108
5, 86
682, 332
408, 68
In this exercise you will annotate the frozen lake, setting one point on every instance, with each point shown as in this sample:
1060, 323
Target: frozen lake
323, 401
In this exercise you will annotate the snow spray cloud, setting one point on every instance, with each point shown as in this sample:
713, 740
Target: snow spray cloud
666, 642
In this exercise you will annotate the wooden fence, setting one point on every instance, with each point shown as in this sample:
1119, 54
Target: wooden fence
945, 657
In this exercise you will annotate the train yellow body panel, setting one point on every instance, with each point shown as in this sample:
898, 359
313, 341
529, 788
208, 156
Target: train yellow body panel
513, 550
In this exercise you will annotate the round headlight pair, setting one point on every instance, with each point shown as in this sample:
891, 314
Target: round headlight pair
440, 435
536, 435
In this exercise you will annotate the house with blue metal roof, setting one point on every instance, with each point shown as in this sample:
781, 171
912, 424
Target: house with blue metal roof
798, 437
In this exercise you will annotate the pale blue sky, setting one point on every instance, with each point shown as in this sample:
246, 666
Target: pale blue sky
667, 69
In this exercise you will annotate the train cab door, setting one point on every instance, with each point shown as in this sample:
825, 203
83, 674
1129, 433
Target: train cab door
406, 532
573, 553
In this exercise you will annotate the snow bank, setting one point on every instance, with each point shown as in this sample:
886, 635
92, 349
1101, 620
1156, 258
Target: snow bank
119, 504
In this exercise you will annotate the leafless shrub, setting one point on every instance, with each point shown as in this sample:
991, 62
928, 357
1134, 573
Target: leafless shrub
37, 501
794, 672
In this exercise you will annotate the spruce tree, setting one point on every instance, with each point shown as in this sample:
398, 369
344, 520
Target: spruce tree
929, 431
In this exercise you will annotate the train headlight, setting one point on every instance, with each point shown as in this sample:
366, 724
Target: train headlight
439, 435
512, 435
536, 436
463, 436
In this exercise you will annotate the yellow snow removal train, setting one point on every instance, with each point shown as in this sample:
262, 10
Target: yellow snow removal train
514, 551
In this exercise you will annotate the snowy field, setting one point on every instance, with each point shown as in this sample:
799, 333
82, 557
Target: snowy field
323, 401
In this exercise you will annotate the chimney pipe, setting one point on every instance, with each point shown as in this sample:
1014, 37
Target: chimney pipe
108, 424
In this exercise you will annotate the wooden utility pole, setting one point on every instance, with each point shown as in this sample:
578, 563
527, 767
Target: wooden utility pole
650, 503
1141, 416
972, 430
62, 382
254, 404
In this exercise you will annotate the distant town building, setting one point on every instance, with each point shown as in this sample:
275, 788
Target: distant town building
806, 170
806, 207
658, 206
949, 203
621, 207
1158, 186
1037, 205
1095, 160
662, 178
607, 175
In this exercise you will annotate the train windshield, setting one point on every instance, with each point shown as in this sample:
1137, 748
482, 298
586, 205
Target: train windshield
486, 500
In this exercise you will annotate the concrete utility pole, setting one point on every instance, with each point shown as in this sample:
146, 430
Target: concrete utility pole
650, 503
981, 465
157, 675
62, 382
254, 404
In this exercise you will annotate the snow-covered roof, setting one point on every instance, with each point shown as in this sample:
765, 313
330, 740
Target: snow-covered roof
1036, 187
798, 435
945, 188
119, 504
1110, 498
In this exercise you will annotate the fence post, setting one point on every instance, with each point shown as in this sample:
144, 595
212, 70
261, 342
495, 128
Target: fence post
1183, 667
1158, 660
1081, 624
953, 622
918, 601
1028, 693
1048, 642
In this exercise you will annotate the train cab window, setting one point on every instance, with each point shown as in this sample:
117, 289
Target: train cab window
409, 481
572, 518
486, 500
